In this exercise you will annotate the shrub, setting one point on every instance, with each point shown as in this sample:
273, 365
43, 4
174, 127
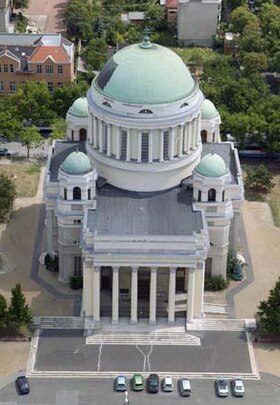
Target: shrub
51, 263
76, 282
215, 283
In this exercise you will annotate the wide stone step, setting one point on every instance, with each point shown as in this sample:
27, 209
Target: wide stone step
217, 324
61, 323
143, 338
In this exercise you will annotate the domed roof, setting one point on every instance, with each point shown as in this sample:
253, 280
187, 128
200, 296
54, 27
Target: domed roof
208, 110
76, 163
145, 73
212, 165
79, 108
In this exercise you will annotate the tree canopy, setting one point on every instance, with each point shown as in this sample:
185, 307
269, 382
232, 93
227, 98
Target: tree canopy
269, 312
31, 138
7, 196
18, 313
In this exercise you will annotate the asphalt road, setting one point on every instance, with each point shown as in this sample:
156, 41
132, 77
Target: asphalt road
100, 392
220, 352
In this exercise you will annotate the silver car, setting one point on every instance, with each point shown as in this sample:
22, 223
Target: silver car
120, 383
238, 388
222, 387
167, 384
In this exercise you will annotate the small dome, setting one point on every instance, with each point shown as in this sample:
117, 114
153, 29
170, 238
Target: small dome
79, 108
145, 73
208, 110
76, 163
212, 165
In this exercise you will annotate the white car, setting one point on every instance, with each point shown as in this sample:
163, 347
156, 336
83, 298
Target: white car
167, 384
222, 387
238, 388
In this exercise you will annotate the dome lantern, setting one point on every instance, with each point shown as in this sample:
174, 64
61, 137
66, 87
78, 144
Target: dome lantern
212, 165
76, 163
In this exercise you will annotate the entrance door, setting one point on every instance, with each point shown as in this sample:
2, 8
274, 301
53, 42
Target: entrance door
143, 289
83, 134
106, 278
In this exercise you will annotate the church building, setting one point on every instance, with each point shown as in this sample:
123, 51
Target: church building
142, 198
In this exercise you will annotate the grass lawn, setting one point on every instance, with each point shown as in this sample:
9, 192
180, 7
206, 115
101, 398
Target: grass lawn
26, 177
273, 198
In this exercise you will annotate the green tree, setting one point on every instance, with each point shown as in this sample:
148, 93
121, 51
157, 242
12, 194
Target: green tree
77, 19
95, 53
31, 138
58, 127
269, 312
154, 15
3, 311
240, 17
255, 62
65, 96
15, 4
259, 179
270, 20
10, 126
18, 313
7, 196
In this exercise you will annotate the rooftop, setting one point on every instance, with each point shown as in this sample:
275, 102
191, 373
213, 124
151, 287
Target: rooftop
121, 212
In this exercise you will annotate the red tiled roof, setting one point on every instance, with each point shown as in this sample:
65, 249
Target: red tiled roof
171, 3
57, 53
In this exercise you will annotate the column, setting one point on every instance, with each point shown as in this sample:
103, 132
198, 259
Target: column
88, 285
199, 290
150, 155
236, 229
187, 136
171, 295
171, 145
118, 142
161, 146
193, 136
181, 141
153, 295
49, 229
198, 130
95, 132
109, 140
139, 146
115, 296
134, 294
191, 292
100, 135
127, 145
96, 294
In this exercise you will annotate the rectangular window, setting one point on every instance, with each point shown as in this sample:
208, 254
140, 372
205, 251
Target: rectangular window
208, 267
0, 67
123, 145
105, 140
12, 87
59, 84
145, 147
50, 86
77, 265
49, 69
5, 68
65, 194
77, 221
59, 69
166, 145
39, 69
1, 86
89, 194
11, 68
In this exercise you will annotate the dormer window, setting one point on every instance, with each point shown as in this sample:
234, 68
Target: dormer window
184, 105
107, 104
145, 111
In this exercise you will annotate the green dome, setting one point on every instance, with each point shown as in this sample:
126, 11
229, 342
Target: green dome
212, 165
79, 108
208, 110
76, 163
145, 74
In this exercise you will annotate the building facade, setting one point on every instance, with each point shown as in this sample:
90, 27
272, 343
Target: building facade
150, 202
35, 57
197, 21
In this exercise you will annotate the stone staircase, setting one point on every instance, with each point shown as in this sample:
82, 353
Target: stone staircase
169, 338
71, 322
216, 325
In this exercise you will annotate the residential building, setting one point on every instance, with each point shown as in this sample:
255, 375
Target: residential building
171, 7
142, 198
36, 57
197, 21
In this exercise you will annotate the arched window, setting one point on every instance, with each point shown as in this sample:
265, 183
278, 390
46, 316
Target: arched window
83, 134
213, 137
184, 105
199, 196
72, 135
223, 196
123, 145
203, 136
145, 147
65, 194
107, 104
212, 194
145, 111
76, 193
166, 145
89, 194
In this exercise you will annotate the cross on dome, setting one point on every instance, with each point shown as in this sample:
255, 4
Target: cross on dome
146, 43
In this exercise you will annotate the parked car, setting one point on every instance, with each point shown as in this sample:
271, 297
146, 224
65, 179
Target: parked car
137, 382
167, 384
153, 383
237, 273
4, 152
184, 385
222, 387
120, 383
22, 385
238, 388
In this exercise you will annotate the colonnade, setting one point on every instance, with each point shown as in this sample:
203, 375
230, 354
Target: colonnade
92, 278
146, 146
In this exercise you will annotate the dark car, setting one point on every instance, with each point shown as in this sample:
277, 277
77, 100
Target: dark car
153, 383
4, 152
22, 385
237, 273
